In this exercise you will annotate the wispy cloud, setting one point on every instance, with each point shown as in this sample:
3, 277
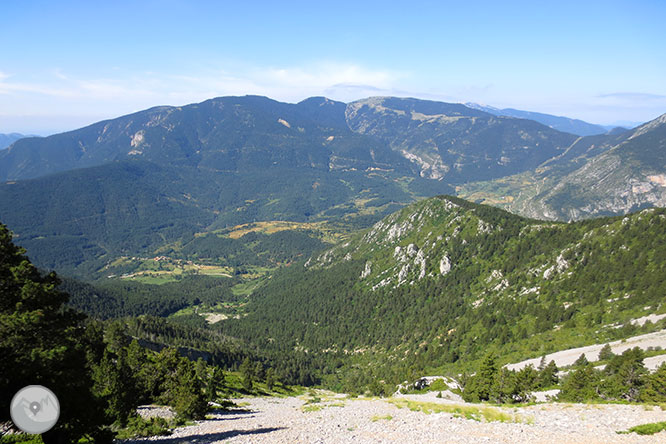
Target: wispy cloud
632, 96
61, 93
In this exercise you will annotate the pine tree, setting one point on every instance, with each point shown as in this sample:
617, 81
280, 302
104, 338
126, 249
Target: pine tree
606, 353
625, 375
504, 386
258, 371
581, 361
115, 384
215, 383
654, 389
548, 375
43, 342
580, 385
480, 386
247, 374
270, 378
525, 383
188, 399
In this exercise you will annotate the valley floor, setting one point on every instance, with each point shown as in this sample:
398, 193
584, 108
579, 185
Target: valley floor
329, 418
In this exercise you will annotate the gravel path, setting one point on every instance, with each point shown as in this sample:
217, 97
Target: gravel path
340, 420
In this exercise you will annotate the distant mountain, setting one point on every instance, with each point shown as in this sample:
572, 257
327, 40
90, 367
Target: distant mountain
597, 175
8, 139
564, 124
151, 180
147, 182
440, 282
454, 143
228, 134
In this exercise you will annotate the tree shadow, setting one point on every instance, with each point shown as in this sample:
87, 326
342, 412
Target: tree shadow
217, 436
231, 412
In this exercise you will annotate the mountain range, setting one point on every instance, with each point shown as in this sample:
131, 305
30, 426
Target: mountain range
597, 175
560, 123
8, 139
311, 229
155, 180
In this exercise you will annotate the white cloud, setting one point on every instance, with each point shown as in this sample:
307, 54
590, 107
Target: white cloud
59, 93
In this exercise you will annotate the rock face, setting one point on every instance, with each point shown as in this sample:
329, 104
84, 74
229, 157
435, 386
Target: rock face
418, 239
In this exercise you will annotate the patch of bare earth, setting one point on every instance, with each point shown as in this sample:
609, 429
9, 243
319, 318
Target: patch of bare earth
291, 420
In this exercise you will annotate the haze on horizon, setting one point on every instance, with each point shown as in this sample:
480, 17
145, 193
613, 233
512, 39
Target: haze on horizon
72, 63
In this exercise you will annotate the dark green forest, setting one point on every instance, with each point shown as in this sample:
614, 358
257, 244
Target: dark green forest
101, 371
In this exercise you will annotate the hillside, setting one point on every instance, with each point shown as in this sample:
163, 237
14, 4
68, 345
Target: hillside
8, 139
169, 180
597, 175
81, 220
454, 143
146, 184
441, 282
226, 134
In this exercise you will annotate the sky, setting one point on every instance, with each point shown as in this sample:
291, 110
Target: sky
66, 64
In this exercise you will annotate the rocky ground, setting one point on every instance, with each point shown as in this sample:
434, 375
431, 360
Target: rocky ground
567, 357
336, 419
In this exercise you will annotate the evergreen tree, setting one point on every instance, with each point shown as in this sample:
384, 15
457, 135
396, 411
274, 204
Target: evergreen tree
606, 353
215, 383
525, 383
270, 378
480, 386
115, 384
141, 369
43, 342
654, 389
548, 375
580, 385
625, 375
581, 361
247, 374
259, 371
188, 398
504, 386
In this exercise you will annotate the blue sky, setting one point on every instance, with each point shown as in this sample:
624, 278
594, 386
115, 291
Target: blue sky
66, 64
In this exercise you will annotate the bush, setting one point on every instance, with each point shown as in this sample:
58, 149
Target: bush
647, 429
137, 427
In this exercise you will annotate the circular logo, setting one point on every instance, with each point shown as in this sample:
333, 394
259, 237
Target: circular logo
35, 409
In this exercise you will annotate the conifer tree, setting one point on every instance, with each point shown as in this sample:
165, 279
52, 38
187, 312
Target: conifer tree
247, 374
654, 389
215, 383
270, 378
580, 385
43, 342
606, 353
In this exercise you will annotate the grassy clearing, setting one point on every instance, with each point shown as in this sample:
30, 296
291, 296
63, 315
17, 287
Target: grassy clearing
246, 288
475, 413
318, 400
161, 270
328, 233
381, 418
647, 429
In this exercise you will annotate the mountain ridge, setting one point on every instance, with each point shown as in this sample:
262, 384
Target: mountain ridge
598, 175
445, 278
560, 123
